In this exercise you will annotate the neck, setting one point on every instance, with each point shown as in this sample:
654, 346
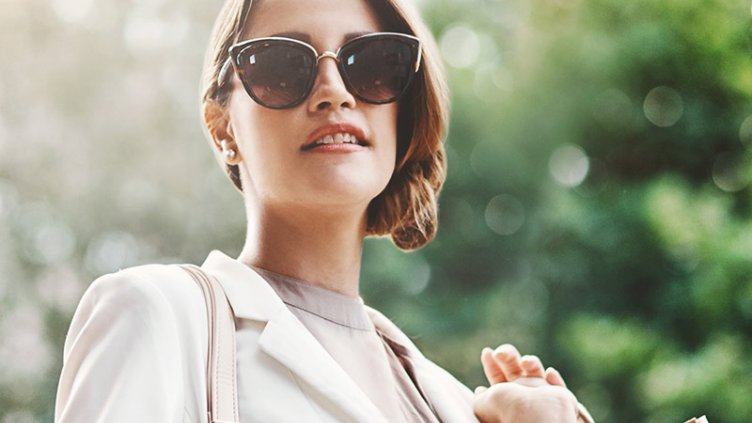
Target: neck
318, 248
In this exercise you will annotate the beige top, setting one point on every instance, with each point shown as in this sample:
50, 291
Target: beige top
378, 365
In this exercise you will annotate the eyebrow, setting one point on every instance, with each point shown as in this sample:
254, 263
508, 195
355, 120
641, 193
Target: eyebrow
302, 36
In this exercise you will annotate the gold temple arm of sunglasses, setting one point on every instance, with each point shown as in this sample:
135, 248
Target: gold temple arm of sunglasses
222, 77
420, 55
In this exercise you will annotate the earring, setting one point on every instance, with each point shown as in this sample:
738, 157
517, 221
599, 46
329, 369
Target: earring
227, 153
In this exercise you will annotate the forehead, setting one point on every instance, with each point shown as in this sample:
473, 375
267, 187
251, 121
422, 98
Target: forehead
325, 23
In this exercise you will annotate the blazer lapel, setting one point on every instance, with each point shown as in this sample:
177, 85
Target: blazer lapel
290, 343
285, 339
450, 400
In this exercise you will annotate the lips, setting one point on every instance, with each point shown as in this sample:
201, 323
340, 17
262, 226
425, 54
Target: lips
332, 135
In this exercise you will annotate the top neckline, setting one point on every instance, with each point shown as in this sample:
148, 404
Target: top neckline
329, 305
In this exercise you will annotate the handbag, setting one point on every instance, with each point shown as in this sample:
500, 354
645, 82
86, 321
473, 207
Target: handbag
221, 371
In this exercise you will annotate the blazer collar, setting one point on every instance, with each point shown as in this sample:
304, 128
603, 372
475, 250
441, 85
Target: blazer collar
286, 339
249, 294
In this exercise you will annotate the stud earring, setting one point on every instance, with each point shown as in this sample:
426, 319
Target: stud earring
227, 153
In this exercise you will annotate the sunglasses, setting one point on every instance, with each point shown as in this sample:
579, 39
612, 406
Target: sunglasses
279, 72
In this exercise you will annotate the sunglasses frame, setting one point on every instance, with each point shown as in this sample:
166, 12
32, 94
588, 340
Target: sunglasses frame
237, 49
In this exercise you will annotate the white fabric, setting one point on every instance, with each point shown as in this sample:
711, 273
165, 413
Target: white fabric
136, 352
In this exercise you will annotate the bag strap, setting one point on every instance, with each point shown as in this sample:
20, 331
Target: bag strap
221, 381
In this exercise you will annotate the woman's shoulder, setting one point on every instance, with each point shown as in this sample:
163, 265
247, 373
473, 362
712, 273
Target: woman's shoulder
145, 282
135, 334
153, 291
146, 302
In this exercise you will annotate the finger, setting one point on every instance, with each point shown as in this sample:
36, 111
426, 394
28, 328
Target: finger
532, 366
491, 368
509, 360
554, 377
480, 390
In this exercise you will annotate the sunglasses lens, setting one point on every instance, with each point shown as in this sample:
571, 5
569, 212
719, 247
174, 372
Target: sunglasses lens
379, 69
277, 73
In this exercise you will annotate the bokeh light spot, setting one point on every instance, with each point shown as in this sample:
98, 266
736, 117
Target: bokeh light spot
729, 172
505, 214
110, 252
419, 275
460, 46
613, 109
663, 106
569, 165
46, 239
53, 242
503, 79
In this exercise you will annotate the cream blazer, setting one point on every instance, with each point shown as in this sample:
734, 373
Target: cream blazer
136, 352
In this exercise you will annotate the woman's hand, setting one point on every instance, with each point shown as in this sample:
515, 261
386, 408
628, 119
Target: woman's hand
521, 390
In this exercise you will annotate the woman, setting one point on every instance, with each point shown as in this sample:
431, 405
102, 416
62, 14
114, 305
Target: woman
326, 149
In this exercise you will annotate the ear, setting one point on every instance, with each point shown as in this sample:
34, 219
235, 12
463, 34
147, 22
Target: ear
218, 123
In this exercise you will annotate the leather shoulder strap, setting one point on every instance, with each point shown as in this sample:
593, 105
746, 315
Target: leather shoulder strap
221, 381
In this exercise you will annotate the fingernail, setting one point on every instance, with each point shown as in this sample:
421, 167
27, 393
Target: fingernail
555, 373
502, 349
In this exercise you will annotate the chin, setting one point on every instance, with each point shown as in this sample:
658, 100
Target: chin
344, 193
347, 196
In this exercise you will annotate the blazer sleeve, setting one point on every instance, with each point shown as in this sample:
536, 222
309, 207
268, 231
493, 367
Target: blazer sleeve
121, 361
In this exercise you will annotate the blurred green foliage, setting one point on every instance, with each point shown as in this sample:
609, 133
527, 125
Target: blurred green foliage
597, 212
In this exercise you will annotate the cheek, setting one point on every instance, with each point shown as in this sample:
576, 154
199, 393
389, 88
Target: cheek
252, 127
255, 127
388, 131
384, 124
244, 118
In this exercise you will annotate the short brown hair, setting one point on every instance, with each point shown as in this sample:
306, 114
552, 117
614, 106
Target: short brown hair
407, 209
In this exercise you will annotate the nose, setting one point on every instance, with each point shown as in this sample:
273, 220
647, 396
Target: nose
329, 89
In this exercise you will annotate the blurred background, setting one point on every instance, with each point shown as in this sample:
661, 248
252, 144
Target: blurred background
598, 210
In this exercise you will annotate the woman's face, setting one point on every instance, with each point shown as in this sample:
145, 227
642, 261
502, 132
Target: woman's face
278, 168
